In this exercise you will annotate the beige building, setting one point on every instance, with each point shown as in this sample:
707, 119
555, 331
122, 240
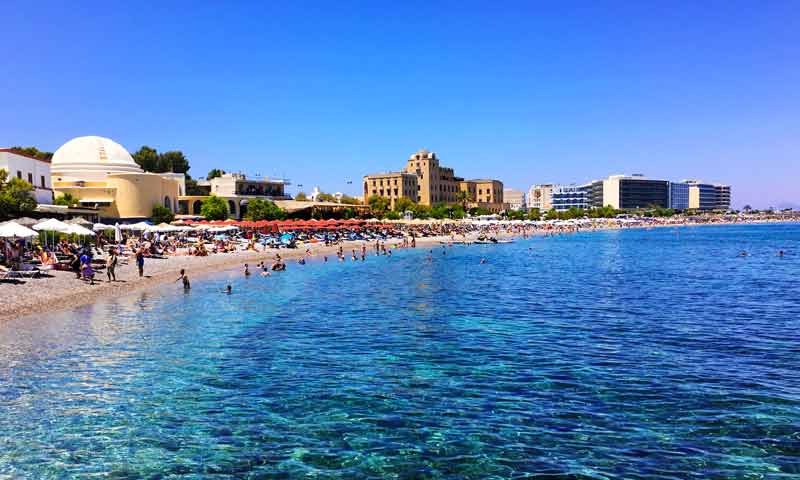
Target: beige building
100, 173
514, 199
437, 184
427, 182
541, 196
393, 186
237, 190
484, 193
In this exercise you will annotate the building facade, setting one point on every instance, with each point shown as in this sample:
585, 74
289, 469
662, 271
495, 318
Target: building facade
514, 199
392, 186
237, 190
564, 197
435, 183
707, 196
101, 174
31, 169
679, 196
540, 196
630, 192
426, 182
484, 193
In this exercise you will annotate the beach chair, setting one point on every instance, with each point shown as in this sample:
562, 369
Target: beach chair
5, 273
27, 270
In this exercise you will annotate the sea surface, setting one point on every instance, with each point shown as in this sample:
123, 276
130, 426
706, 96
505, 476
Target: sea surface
644, 354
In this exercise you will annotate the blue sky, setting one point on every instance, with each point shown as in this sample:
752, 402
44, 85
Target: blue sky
324, 93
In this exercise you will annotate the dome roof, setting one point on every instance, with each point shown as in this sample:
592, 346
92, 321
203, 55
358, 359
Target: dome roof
86, 157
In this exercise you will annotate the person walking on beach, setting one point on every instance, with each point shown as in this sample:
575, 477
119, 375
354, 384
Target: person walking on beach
140, 261
111, 265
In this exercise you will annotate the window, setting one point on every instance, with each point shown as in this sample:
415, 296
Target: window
30, 178
44, 185
19, 174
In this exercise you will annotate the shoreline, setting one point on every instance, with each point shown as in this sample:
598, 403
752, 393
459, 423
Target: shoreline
62, 291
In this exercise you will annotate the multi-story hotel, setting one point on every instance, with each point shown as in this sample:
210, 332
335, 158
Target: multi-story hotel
630, 192
564, 197
425, 181
393, 186
484, 193
436, 184
540, 196
514, 199
696, 195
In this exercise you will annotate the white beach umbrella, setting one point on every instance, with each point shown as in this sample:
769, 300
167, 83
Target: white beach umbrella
101, 226
13, 229
80, 230
52, 225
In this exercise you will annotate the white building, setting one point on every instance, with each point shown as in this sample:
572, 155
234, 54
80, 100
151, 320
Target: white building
541, 196
514, 198
31, 169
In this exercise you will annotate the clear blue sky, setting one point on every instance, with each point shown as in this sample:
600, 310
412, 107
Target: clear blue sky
323, 93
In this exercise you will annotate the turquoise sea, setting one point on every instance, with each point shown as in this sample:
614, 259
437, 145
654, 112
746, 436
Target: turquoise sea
642, 354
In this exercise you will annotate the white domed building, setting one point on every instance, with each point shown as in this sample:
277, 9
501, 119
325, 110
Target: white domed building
102, 174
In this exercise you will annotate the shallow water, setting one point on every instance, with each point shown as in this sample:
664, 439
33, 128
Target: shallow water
626, 354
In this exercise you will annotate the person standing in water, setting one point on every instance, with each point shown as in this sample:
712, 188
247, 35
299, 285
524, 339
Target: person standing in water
185, 278
246, 270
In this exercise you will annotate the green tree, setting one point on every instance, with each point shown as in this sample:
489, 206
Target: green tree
301, 197
325, 197
378, 205
192, 188
67, 199
346, 199
551, 215
16, 197
477, 211
33, 152
349, 213
457, 212
258, 209
161, 214
534, 214
214, 173
392, 216
173, 161
147, 158
214, 208
421, 211
403, 204
439, 211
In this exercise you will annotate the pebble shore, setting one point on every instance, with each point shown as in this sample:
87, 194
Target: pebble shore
61, 290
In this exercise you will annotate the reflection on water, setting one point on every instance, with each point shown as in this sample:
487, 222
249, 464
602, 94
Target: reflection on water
635, 354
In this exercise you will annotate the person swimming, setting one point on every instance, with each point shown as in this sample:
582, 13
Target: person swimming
483, 261
743, 253
302, 261
780, 253
228, 290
